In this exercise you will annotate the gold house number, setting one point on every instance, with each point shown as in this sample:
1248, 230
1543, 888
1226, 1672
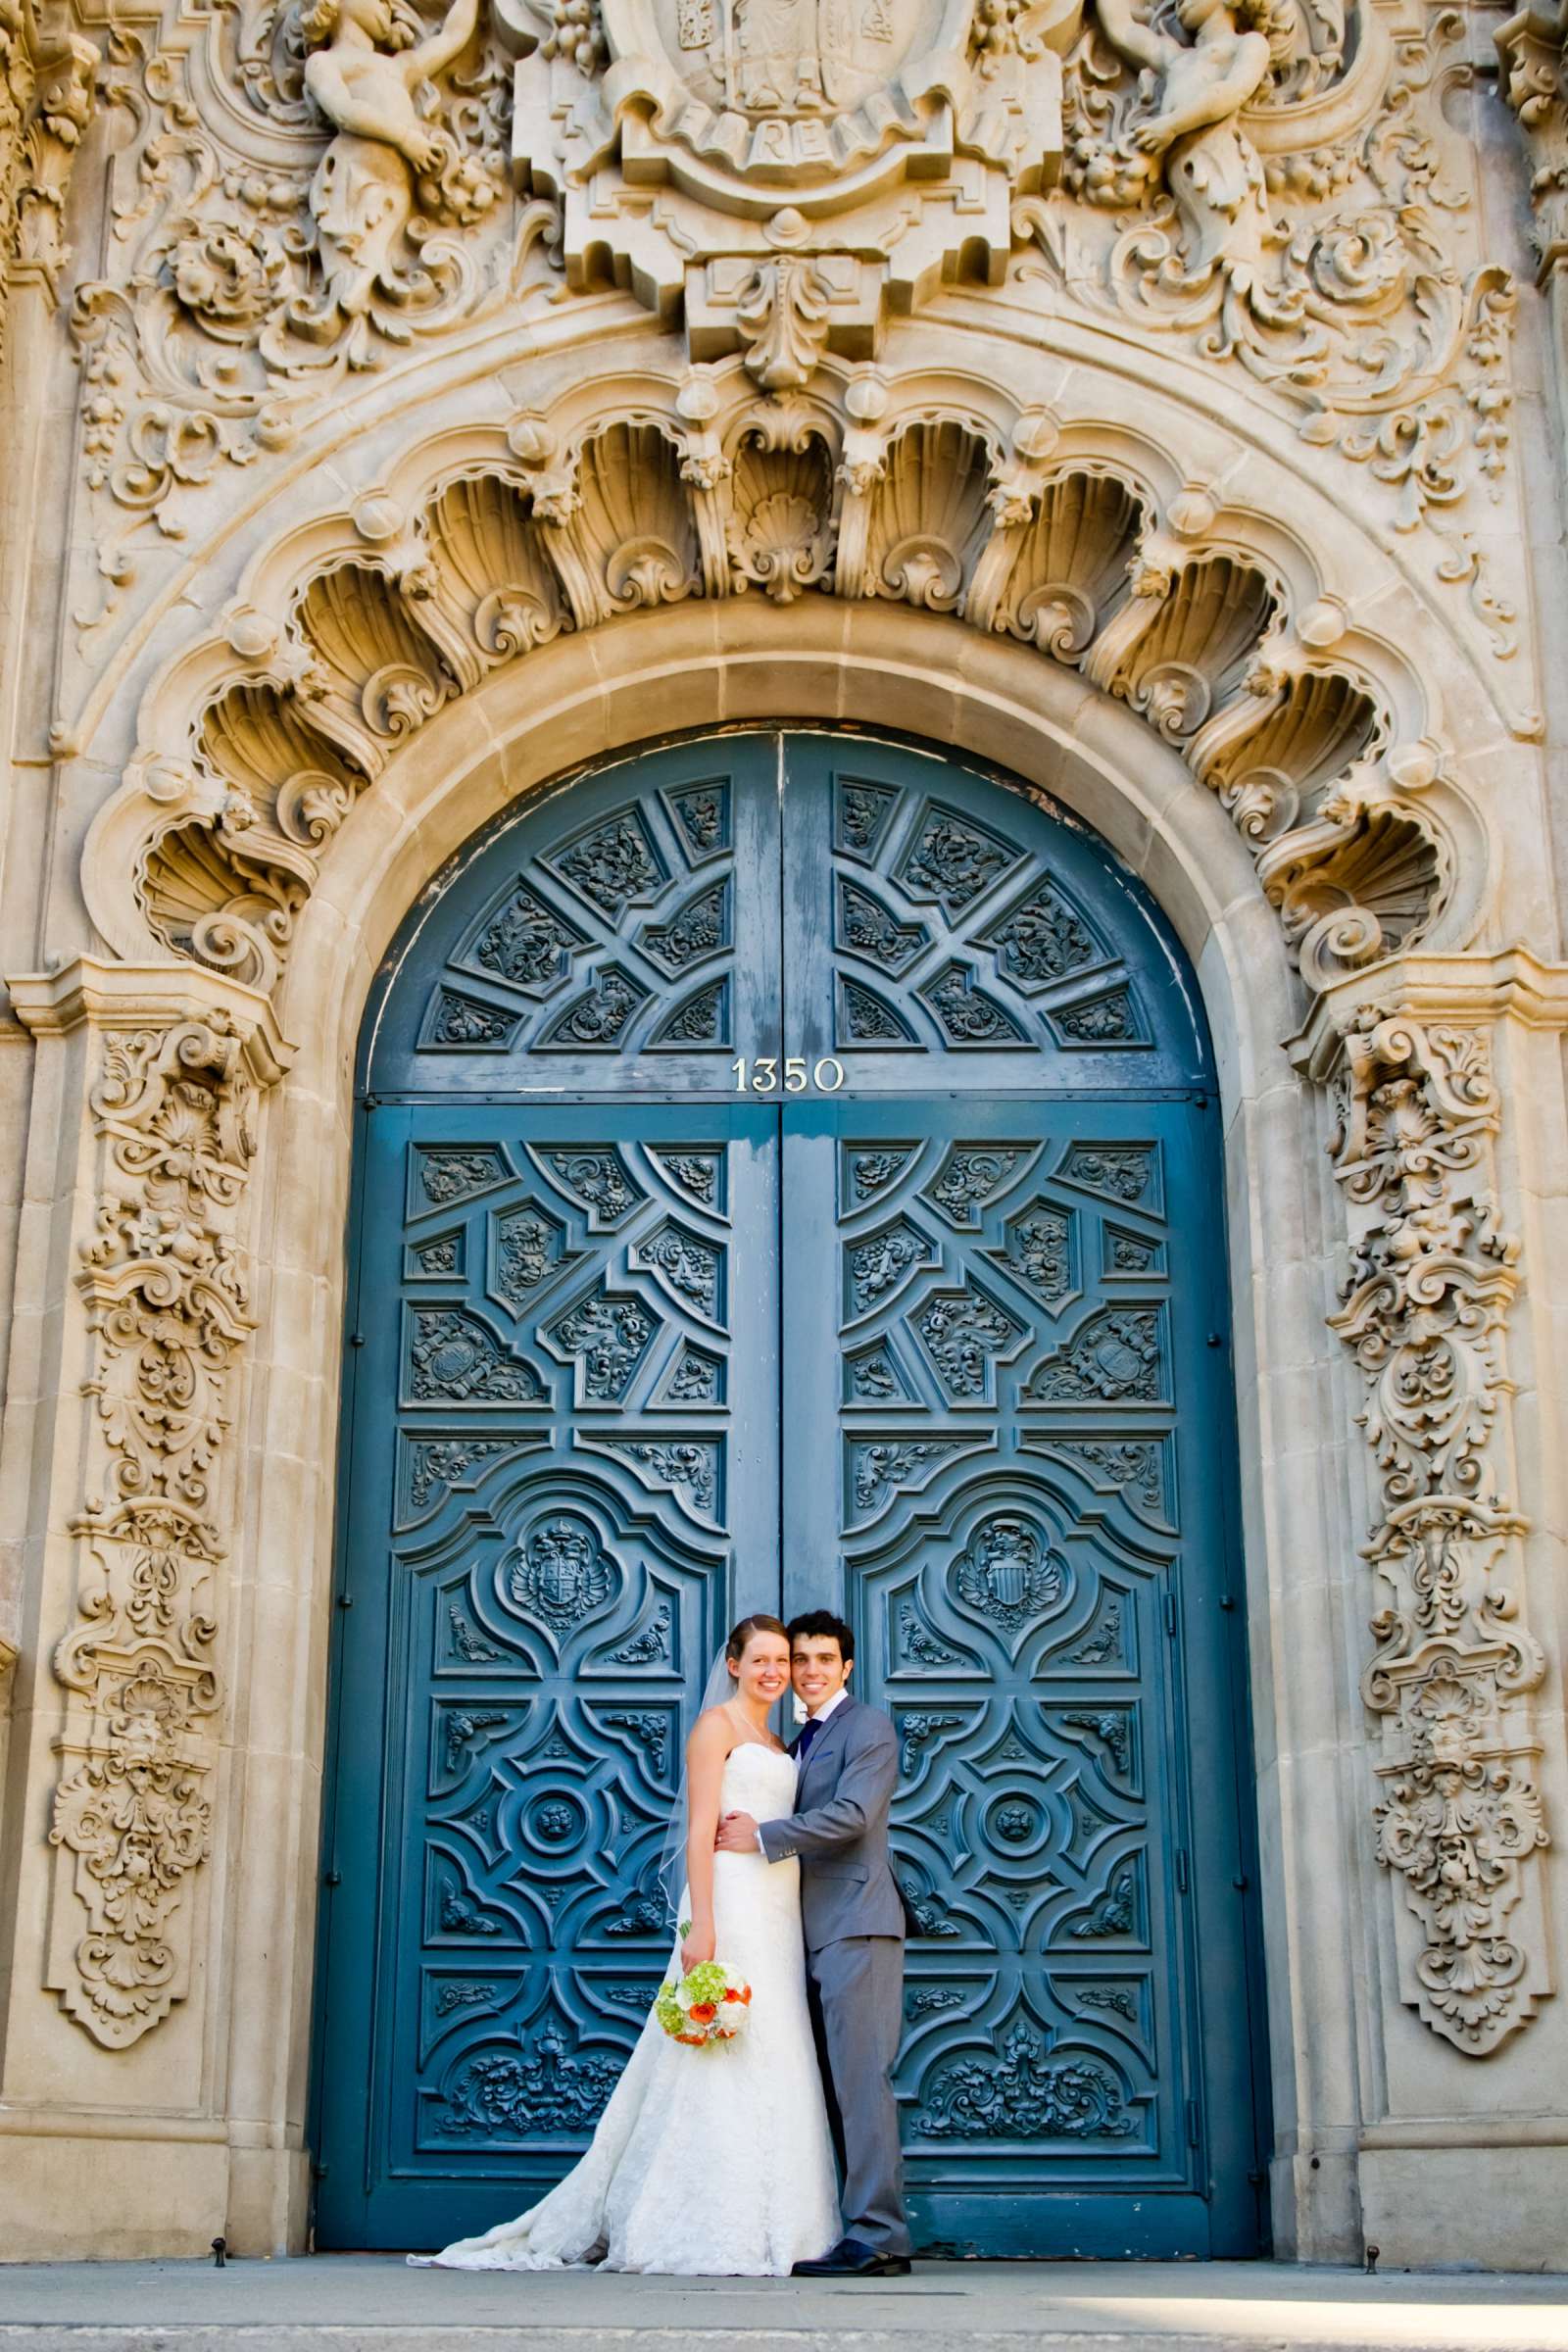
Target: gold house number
762, 1076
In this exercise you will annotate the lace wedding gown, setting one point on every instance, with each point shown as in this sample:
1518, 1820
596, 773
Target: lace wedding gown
709, 2163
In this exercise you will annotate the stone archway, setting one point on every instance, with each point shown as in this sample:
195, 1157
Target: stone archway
1391, 858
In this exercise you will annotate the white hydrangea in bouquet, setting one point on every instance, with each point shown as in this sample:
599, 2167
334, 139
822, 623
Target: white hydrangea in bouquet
707, 2007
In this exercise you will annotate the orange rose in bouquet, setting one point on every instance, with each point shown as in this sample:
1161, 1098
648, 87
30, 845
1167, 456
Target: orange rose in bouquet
707, 2007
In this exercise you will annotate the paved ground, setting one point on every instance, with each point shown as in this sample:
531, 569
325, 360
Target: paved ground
346, 2303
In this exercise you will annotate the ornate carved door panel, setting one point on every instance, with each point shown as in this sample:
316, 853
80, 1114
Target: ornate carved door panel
1004, 1346
612, 1321
1004, 1317
563, 1485
621, 936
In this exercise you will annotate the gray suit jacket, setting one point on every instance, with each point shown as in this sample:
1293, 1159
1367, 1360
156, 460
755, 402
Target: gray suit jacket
840, 1829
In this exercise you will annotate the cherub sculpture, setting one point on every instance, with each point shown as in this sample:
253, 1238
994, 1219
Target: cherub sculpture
1212, 167
364, 69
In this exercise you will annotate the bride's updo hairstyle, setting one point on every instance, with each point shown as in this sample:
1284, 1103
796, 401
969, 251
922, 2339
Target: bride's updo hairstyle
740, 1635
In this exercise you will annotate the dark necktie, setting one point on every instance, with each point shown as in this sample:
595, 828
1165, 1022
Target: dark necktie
803, 1745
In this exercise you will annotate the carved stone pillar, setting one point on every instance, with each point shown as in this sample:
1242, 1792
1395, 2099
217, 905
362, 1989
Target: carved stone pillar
1532, 50
46, 98
132, 1311
1428, 1059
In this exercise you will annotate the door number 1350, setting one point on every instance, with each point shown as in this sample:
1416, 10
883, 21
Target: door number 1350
762, 1076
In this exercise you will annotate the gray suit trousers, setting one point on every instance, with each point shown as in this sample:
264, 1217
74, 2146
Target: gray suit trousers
856, 1990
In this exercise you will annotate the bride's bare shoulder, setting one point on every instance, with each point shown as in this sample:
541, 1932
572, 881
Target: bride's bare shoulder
712, 1730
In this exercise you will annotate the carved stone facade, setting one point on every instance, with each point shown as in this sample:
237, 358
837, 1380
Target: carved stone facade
1432, 1279
1164, 403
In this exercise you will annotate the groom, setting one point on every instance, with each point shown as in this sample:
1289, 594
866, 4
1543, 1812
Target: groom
854, 1921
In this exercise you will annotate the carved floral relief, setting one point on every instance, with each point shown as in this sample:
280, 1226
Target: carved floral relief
1286, 194
165, 1293
316, 187
307, 191
1460, 1816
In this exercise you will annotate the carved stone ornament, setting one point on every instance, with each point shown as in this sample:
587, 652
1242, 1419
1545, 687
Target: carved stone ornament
1282, 189
47, 73
820, 159
1459, 1817
1310, 731
308, 190
165, 1291
1287, 188
1532, 50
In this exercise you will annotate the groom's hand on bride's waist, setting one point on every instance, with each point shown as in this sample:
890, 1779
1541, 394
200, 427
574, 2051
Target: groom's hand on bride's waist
737, 1835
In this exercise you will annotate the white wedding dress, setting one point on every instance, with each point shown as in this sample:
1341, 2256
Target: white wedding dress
713, 2162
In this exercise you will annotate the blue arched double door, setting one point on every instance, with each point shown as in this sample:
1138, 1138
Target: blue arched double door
789, 1175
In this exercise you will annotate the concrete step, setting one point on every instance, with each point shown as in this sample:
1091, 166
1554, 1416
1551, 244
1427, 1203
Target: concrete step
283, 2337
344, 2303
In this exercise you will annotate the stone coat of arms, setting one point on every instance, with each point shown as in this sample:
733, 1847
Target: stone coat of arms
787, 170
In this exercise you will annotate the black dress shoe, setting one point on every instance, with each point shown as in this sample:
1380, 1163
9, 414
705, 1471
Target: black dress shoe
851, 2258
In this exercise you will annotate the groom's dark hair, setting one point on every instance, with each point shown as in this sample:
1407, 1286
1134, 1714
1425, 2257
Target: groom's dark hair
822, 1626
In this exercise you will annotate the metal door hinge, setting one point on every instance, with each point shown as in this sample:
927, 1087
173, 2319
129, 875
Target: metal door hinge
333, 1877
1181, 1870
1192, 2124
1171, 1615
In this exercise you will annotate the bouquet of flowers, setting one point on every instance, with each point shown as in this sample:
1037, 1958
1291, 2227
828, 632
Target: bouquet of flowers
707, 2006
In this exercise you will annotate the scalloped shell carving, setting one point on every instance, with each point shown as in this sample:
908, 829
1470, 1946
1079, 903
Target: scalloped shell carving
631, 529
1083, 565
1269, 758
1195, 646
1072, 561
492, 580
376, 677
928, 517
780, 534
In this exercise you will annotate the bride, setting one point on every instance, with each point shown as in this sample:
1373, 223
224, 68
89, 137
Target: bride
714, 2162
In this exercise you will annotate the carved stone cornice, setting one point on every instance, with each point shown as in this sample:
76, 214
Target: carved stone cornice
1533, 47
1508, 983
107, 996
1408, 1050
176, 1061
